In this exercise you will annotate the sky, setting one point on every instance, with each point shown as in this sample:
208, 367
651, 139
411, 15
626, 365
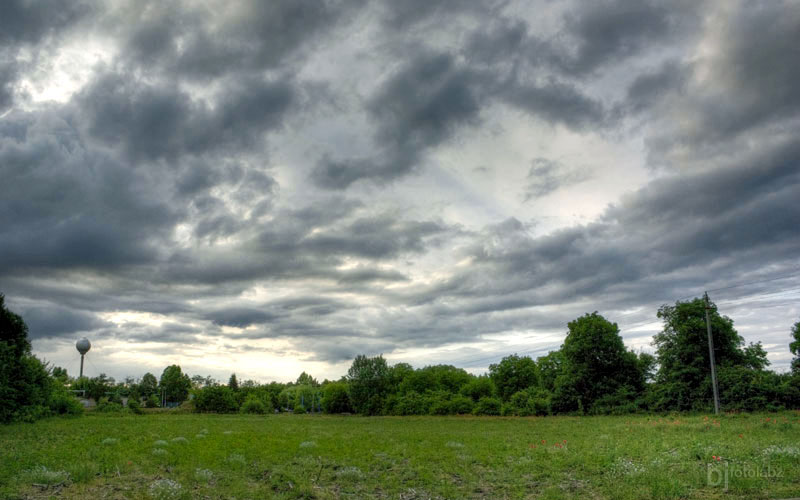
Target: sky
273, 187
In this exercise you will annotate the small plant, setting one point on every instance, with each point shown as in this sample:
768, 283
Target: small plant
199, 436
236, 459
454, 444
180, 440
41, 475
308, 444
159, 452
350, 474
165, 489
110, 441
784, 451
160, 442
203, 475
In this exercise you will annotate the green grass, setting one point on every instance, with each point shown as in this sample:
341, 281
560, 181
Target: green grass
294, 456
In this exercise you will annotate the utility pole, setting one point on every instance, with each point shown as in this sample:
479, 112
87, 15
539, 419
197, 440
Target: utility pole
711, 356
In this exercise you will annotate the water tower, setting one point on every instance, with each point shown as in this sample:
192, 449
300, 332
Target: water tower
83, 346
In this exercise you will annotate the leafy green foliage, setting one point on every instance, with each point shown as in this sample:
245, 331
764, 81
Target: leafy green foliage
683, 381
369, 384
513, 374
336, 398
253, 405
25, 384
488, 406
175, 383
216, 399
595, 361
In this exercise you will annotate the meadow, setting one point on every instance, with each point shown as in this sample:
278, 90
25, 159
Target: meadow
174, 455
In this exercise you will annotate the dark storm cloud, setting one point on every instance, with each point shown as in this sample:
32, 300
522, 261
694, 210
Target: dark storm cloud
420, 106
246, 37
240, 317
22, 21
608, 30
66, 205
51, 321
160, 122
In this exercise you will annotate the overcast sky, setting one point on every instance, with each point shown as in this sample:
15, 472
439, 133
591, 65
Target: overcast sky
268, 187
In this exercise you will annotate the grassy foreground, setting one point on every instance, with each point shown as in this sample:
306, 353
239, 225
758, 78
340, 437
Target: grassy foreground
291, 456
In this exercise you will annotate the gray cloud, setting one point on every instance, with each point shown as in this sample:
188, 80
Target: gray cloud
546, 176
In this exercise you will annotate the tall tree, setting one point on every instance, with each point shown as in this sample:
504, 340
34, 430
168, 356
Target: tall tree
233, 383
25, 385
368, 383
683, 381
175, 383
596, 363
148, 385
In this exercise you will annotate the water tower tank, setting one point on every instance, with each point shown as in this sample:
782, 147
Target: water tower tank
83, 346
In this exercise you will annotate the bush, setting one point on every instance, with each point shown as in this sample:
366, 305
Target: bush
461, 405
335, 398
487, 406
480, 387
134, 406
215, 399
64, 403
253, 405
108, 407
412, 403
531, 401
152, 402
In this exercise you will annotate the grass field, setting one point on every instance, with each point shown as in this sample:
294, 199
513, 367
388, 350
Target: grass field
291, 456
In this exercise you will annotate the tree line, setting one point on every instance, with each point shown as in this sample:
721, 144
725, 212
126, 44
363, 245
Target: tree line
591, 373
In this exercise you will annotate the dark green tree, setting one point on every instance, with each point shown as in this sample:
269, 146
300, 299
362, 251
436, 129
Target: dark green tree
368, 379
513, 374
233, 383
306, 379
335, 398
25, 385
596, 363
175, 383
550, 369
148, 385
683, 381
60, 374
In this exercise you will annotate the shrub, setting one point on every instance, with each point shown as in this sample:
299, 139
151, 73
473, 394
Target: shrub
461, 405
335, 398
478, 388
531, 401
152, 402
134, 406
64, 403
108, 407
215, 399
253, 405
487, 406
